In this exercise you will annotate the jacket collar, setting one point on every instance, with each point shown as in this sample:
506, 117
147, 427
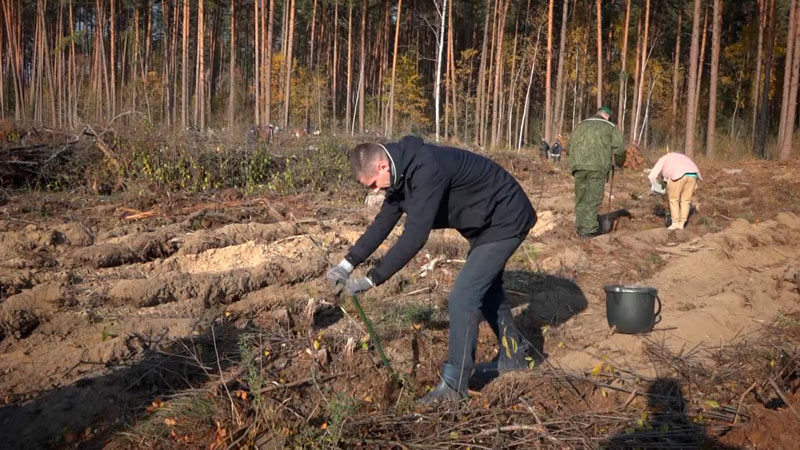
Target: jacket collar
599, 118
401, 154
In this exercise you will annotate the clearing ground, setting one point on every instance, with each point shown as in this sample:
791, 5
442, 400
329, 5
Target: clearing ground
132, 320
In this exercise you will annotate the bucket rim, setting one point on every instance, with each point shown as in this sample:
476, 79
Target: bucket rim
631, 289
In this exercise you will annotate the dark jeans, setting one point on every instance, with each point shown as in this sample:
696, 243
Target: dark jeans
478, 293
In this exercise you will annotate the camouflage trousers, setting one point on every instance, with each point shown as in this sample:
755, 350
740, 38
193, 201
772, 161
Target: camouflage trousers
589, 191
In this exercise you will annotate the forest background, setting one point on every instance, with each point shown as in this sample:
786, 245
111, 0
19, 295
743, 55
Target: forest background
704, 77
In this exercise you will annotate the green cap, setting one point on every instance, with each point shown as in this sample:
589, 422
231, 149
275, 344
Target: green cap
604, 109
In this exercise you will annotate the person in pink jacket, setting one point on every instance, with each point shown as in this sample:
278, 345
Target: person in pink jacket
681, 175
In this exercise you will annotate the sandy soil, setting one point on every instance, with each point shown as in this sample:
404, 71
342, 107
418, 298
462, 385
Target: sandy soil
94, 307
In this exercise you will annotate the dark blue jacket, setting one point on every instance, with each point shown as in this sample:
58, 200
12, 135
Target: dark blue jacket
442, 187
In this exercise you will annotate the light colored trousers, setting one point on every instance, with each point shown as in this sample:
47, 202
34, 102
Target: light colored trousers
680, 193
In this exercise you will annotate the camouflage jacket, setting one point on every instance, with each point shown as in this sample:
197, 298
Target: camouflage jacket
592, 145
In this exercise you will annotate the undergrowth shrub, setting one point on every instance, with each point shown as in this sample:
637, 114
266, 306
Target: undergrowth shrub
187, 164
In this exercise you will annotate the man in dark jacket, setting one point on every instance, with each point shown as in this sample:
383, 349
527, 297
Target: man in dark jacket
446, 187
594, 145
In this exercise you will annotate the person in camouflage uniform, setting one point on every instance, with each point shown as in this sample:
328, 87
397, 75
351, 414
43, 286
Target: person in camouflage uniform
592, 145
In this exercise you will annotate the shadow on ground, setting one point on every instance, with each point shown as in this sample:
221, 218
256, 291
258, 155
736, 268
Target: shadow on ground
667, 423
88, 412
545, 300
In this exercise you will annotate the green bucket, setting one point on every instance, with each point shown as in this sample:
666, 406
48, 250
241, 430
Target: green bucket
631, 310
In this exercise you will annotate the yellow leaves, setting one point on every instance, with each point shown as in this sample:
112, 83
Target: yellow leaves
316, 344
602, 367
220, 437
560, 345
227, 313
712, 403
510, 345
154, 406
170, 422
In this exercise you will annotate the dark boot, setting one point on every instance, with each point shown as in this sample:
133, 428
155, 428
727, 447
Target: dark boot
452, 388
512, 355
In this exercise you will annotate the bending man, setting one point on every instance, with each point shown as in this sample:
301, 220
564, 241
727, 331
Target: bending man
446, 187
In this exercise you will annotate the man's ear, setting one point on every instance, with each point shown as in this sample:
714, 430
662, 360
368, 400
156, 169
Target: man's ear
382, 165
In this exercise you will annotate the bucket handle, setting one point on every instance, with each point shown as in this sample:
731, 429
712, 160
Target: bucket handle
657, 314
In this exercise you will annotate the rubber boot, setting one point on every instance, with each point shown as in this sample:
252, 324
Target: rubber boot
452, 388
512, 353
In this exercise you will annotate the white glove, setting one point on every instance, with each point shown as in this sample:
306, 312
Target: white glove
656, 187
339, 274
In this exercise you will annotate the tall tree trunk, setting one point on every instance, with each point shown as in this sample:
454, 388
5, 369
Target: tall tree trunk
762, 25
528, 91
548, 113
623, 75
335, 62
439, 55
383, 52
637, 78
514, 75
712, 89
791, 115
149, 36
498, 74
257, 56
363, 61
260, 45
267, 116
481, 94
642, 70
390, 123
313, 30
232, 68
675, 74
787, 70
185, 67
201, 67
485, 136
113, 61
348, 100
701, 64
2, 80
761, 139
600, 53
13, 31
562, 56
287, 89
72, 88
691, 107
451, 60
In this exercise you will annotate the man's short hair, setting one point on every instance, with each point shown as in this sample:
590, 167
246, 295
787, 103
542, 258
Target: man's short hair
364, 156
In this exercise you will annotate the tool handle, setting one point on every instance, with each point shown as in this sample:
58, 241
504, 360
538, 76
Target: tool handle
372, 335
